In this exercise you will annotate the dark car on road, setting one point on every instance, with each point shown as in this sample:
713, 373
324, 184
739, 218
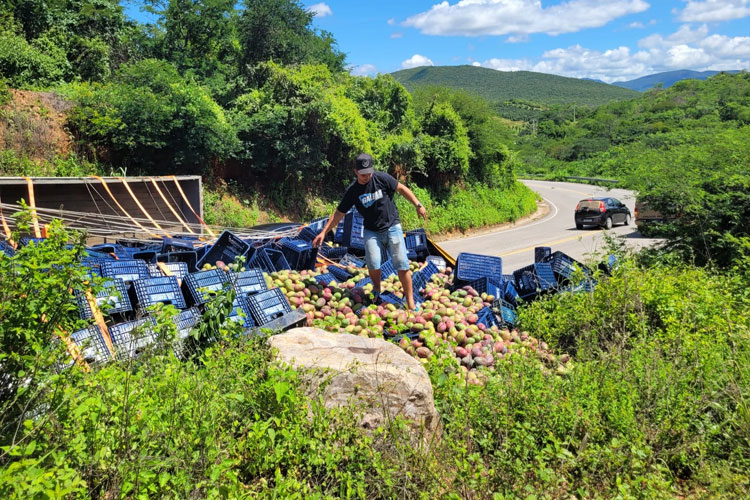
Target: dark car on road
602, 212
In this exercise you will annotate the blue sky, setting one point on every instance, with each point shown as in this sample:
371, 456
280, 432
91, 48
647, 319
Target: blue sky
610, 40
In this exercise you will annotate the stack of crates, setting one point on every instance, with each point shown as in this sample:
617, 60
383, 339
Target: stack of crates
227, 248
416, 244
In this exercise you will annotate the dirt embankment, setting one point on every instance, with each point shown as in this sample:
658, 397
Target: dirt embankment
33, 124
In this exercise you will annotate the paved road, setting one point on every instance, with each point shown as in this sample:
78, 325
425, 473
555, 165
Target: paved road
556, 230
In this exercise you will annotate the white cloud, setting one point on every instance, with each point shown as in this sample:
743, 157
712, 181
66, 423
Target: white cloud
520, 17
714, 10
320, 10
635, 25
364, 70
397, 35
687, 48
415, 61
392, 21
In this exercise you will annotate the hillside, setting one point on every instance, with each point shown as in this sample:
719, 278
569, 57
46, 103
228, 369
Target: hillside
500, 87
667, 79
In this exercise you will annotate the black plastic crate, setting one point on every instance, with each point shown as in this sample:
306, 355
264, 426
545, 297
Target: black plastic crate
112, 299
92, 345
332, 253
341, 274
351, 260
534, 279
126, 270
307, 234
564, 266
177, 245
269, 260
241, 312
178, 269
197, 287
105, 248
189, 257
541, 253
125, 340
248, 282
470, 266
353, 234
299, 254
505, 312
227, 248
164, 289
267, 306
489, 286
292, 319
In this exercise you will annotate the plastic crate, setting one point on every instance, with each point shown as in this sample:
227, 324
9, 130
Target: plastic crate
339, 273
248, 282
585, 285
505, 312
147, 256
325, 278
26, 240
416, 240
391, 298
126, 270
541, 253
332, 253
7, 249
387, 269
269, 260
289, 320
307, 234
470, 266
534, 279
488, 286
105, 248
227, 248
565, 266
361, 283
91, 343
268, 306
126, 342
197, 287
178, 269
545, 276
177, 245
189, 257
318, 225
242, 312
164, 289
93, 265
299, 254
354, 227
511, 294
351, 260
437, 261
486, 317
418, 283
185, 322
428, 270
114, 294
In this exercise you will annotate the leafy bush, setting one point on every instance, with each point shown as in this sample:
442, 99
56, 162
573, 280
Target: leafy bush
37, 64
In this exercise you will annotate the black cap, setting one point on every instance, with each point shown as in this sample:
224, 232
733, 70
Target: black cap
363, 164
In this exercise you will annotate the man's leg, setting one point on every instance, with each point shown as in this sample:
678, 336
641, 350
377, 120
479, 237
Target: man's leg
397, 249
375, 277
373, 259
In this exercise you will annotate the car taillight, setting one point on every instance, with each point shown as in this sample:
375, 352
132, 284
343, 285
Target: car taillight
636, 212
577, 205
602, 208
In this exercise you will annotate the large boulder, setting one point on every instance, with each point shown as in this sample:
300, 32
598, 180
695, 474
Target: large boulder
376, 375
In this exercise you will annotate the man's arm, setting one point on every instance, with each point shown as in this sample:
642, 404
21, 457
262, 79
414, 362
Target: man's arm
333, 221
407, 193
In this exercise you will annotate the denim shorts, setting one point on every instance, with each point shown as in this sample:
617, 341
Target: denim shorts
391, 239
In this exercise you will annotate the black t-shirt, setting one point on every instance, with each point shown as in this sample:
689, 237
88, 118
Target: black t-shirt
374, 201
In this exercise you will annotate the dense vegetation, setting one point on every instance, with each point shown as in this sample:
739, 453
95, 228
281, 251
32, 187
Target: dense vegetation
252, 91
518, 95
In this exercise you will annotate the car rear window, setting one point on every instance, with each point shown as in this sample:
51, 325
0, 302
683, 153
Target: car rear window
589, 204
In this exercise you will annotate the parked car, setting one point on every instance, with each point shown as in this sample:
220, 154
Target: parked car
650, 221
602, 212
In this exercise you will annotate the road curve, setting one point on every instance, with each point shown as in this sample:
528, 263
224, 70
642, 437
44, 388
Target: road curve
556, 230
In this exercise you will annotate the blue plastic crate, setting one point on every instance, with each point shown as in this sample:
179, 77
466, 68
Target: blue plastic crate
227, 248
486, 317
534, 279
354, 227
105, 248
341, 274
564, 266
164, 289
488, 286
387, 269
470, 266
93, 265
351, 260
545, 276
511, 294
391, 298
268, 306
325, 278
332, 253
269, 260
585, 285
541, 253
189, 257
318, 225
125, 340
91, 343
178, 269
506, 312
127, 269
428, 270
177, 245
197, 287
416, 240
112, 299
248, 282
418, 283
361, 283
186, 321
147, 256
241, 312
307, 234
299, 254
26, 240
437, 261
7, 248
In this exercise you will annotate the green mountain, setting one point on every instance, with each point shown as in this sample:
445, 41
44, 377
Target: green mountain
515, 90
667, 79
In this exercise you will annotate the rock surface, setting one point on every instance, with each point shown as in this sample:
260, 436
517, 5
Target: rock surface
372, 373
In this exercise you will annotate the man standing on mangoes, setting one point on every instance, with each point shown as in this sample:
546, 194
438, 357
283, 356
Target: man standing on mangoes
372, 195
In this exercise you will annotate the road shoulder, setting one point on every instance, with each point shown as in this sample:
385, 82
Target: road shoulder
543, 208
